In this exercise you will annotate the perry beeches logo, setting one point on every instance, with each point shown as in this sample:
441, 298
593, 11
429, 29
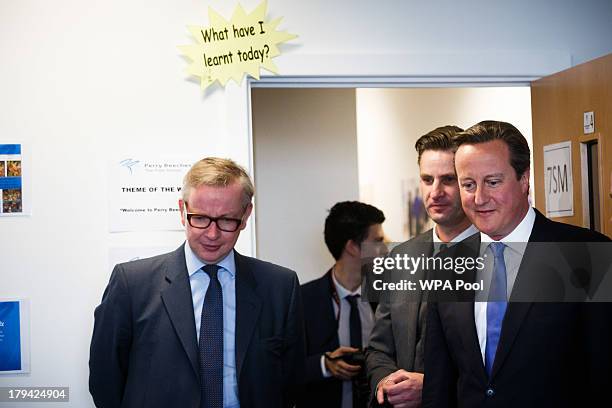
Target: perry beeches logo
132, 164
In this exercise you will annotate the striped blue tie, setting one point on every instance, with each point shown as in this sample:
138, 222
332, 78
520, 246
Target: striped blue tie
211, 342
496, 307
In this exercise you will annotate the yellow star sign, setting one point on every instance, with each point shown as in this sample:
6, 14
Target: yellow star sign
228, 49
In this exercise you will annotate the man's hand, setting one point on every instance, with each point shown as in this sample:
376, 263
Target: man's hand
403, 389
339, 368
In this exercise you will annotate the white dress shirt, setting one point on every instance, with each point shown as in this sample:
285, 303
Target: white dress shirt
367, 323
199, 281
516, 243
468, 232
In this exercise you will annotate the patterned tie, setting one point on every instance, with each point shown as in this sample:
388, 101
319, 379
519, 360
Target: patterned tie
211, 342
354, 322
496, 309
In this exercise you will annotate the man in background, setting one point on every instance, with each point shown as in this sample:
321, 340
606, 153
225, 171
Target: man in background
202, 326
338, 321
395, 355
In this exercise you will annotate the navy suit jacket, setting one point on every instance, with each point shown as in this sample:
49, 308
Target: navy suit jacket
321, 336
144, 351
549, 354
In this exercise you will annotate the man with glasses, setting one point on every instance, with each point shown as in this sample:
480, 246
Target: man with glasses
202, 326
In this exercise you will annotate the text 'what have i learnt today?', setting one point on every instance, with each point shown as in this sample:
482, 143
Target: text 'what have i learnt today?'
229, 49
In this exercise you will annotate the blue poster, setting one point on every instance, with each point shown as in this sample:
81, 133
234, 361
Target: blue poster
11, 179
10, 337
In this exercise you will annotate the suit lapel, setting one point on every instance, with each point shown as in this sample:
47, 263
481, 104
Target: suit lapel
329, 323
462, 311
408, 304
425, 243
515, 315
517, 311
248, 308
179, 305
463, 314
465, 309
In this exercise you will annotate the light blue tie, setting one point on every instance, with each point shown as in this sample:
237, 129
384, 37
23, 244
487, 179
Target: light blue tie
496, 307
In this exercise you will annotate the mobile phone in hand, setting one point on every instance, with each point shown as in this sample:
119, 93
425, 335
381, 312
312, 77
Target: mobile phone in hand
357, 358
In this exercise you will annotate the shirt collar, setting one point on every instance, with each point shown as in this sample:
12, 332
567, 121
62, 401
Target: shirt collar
519, 236
469, 231
342, 291
194, 264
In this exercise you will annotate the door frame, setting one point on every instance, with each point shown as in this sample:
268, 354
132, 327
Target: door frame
381, 81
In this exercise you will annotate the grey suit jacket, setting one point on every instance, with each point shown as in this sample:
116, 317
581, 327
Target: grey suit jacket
144, 351
397, 338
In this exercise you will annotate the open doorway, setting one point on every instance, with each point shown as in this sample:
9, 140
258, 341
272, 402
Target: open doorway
313, 147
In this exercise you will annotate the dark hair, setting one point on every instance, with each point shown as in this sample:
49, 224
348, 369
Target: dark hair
349, 220
438, 139
489, 130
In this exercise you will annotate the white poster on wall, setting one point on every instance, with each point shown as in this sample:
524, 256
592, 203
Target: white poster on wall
144, 193
558, 181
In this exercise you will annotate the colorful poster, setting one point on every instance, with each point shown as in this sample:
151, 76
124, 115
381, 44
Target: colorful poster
12, 198
144, 193
14, 353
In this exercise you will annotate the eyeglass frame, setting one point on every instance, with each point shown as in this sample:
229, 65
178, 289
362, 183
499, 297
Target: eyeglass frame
188, 215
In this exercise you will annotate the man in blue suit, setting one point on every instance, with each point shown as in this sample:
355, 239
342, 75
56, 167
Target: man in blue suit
505, 353
202, 326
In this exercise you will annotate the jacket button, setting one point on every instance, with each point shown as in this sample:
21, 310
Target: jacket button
490, 392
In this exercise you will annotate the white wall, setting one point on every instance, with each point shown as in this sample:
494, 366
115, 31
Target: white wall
305, 143
82, 79
389, 122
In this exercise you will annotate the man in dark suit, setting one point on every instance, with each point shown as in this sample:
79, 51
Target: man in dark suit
202, 326
500, 353
395, 352
338, 321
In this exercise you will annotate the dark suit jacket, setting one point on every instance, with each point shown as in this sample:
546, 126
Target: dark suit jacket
144, 351
321, 336
549, 354
398, 337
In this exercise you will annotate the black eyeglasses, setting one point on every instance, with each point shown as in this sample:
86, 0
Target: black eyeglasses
202, 221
